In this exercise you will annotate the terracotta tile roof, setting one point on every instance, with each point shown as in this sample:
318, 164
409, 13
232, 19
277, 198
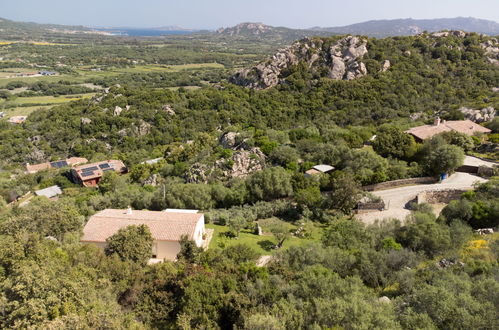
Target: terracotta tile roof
45, 166
97, 170
164, 226
462, 126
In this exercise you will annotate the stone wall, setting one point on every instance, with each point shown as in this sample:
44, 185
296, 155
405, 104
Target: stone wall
399, 183
439, 196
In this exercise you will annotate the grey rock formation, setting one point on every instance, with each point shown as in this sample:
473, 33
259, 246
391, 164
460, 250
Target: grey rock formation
168, 109
117, 111
244, 162
85, 121
386, 66
143, 128
479, 116
153, 180
342, 59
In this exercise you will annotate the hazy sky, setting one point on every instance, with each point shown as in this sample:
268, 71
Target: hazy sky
212, 14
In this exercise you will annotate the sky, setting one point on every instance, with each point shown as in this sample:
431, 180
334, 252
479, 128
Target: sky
212, 14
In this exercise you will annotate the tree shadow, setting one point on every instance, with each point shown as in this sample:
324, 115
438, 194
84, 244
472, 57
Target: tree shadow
267, 245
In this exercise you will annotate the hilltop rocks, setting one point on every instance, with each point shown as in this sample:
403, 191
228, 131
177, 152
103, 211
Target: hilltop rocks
341, 60
479, 116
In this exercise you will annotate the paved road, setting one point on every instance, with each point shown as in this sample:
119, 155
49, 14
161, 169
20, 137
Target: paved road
397, 198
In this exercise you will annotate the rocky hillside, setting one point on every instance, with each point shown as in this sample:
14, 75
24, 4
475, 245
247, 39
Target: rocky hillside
262, 32
400, 27
345, 58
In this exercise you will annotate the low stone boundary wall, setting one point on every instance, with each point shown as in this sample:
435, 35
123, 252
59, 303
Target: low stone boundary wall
468, 169
439, 196
399, 183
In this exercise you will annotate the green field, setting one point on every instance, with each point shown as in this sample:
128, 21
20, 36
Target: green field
23, 106
262, 244
84, 73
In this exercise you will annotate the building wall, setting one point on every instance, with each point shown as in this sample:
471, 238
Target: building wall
164, 249
199, 232
167, 250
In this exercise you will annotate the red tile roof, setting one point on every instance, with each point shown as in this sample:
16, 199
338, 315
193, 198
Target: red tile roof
45, 166
462, 126
164, 226
98, 172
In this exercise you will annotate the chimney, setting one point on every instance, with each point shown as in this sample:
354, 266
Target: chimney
437, 121
129, 210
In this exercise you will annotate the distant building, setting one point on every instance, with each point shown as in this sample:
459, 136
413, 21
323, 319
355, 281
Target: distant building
56, 164
167, 229
319, 169
17, 119
47, 73
49, 192
89, 175
467, 127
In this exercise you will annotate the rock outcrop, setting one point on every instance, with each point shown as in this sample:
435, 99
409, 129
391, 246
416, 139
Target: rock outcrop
341, 60
242, 163
479, 116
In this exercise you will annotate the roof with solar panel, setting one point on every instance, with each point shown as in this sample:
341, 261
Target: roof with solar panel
96, 170
56, 164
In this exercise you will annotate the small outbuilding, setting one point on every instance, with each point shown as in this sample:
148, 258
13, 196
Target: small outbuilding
50, 192
319, 169
167, 229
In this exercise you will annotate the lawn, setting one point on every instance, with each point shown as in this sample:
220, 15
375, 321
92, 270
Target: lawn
263, 244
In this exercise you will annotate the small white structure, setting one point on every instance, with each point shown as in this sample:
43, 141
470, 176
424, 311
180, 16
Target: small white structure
153, 161
318, 169
49, 192
167, 229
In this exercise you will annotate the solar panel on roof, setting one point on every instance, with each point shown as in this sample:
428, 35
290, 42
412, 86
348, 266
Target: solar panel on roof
106, 165
107, 169
59, 164
87, 169
84, 174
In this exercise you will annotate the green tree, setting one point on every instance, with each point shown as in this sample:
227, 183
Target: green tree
236, 224
345, 194
392, 141
444, 159
132, 243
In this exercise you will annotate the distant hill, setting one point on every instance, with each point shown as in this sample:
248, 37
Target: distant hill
257, 31
12, 30
409, 26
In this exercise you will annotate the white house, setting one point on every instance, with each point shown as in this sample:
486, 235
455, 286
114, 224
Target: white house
166, 228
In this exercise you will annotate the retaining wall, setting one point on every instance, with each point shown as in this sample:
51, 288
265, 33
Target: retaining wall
399, 183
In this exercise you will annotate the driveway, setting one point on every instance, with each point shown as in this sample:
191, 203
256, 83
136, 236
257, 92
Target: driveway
396, 198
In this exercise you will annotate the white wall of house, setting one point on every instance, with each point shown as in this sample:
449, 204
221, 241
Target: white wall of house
199, 232
167, 250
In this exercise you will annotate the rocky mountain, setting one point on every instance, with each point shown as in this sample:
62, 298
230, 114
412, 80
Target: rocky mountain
346, 58
409, 26
342, 60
